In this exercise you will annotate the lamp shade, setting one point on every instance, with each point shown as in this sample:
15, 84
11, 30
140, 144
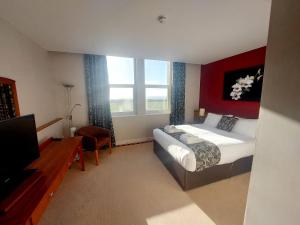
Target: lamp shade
201, 111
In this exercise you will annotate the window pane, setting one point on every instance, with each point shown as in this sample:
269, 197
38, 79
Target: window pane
156, 72
157, 99
121, 100
120, 70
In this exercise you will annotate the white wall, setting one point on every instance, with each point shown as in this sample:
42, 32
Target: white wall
27, 64
274, 192
68, 68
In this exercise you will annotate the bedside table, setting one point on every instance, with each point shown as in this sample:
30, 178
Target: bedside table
197, 118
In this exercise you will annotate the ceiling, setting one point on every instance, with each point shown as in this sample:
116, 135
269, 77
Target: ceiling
196, 31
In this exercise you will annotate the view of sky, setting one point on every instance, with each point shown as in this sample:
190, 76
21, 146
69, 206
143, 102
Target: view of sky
121, 71
156, 72
121, 93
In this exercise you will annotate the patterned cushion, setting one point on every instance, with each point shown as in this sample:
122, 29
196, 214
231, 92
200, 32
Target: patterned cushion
227, 123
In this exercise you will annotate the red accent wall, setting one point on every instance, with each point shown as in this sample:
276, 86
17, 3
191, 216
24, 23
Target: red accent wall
212, 81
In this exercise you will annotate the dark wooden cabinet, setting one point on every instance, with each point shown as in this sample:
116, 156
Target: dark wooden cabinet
9, 104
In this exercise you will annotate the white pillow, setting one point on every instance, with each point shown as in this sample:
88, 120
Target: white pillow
245, 127
212, 119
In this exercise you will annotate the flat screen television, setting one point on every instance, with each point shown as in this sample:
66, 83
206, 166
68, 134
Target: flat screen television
18, 148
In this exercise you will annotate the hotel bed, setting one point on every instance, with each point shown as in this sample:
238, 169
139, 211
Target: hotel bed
236, 149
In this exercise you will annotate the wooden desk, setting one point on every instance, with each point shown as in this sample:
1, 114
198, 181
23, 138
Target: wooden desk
53, 163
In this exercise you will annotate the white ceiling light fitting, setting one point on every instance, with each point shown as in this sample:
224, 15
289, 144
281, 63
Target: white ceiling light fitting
161, 18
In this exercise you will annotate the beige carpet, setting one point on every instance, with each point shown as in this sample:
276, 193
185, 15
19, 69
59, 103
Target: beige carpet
132, 187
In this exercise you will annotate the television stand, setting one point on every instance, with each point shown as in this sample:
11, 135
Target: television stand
53, 164
16, 186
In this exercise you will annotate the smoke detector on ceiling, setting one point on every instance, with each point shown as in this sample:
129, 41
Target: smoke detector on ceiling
161, 19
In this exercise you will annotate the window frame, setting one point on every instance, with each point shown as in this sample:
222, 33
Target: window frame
167, 86
133, 86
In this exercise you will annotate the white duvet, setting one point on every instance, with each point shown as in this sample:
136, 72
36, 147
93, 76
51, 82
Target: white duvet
233, 146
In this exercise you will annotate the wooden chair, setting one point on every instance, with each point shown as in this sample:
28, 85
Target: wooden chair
94, 138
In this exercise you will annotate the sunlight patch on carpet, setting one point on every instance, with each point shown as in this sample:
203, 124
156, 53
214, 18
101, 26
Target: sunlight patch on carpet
187, 215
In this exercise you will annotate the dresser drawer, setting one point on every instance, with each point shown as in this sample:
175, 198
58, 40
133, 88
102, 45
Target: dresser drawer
36, 215
49, 195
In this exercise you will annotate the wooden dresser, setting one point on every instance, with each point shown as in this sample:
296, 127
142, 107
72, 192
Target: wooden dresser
54, 162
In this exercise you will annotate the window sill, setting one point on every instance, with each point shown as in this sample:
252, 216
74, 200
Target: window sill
141, 115
156, 113
123, 115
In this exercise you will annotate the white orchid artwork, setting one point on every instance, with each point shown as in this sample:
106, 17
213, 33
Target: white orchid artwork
244, 84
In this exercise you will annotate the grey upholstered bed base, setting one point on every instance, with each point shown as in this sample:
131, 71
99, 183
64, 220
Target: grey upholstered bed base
188, 180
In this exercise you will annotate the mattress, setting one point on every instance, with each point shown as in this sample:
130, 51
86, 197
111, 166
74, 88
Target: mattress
233, 146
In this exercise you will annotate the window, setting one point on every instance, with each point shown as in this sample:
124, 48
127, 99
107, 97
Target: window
157, 88
126, 87
122, 85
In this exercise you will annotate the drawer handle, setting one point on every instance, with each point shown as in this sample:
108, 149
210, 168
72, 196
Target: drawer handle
51, 194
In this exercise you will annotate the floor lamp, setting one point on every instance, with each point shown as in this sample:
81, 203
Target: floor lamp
70, 110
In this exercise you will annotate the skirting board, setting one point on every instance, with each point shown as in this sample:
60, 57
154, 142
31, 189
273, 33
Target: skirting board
134, 141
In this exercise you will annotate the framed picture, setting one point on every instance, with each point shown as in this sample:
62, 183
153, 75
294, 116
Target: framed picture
243, 84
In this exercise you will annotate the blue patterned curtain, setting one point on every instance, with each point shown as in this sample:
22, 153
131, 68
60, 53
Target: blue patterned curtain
97, 86
178, 94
